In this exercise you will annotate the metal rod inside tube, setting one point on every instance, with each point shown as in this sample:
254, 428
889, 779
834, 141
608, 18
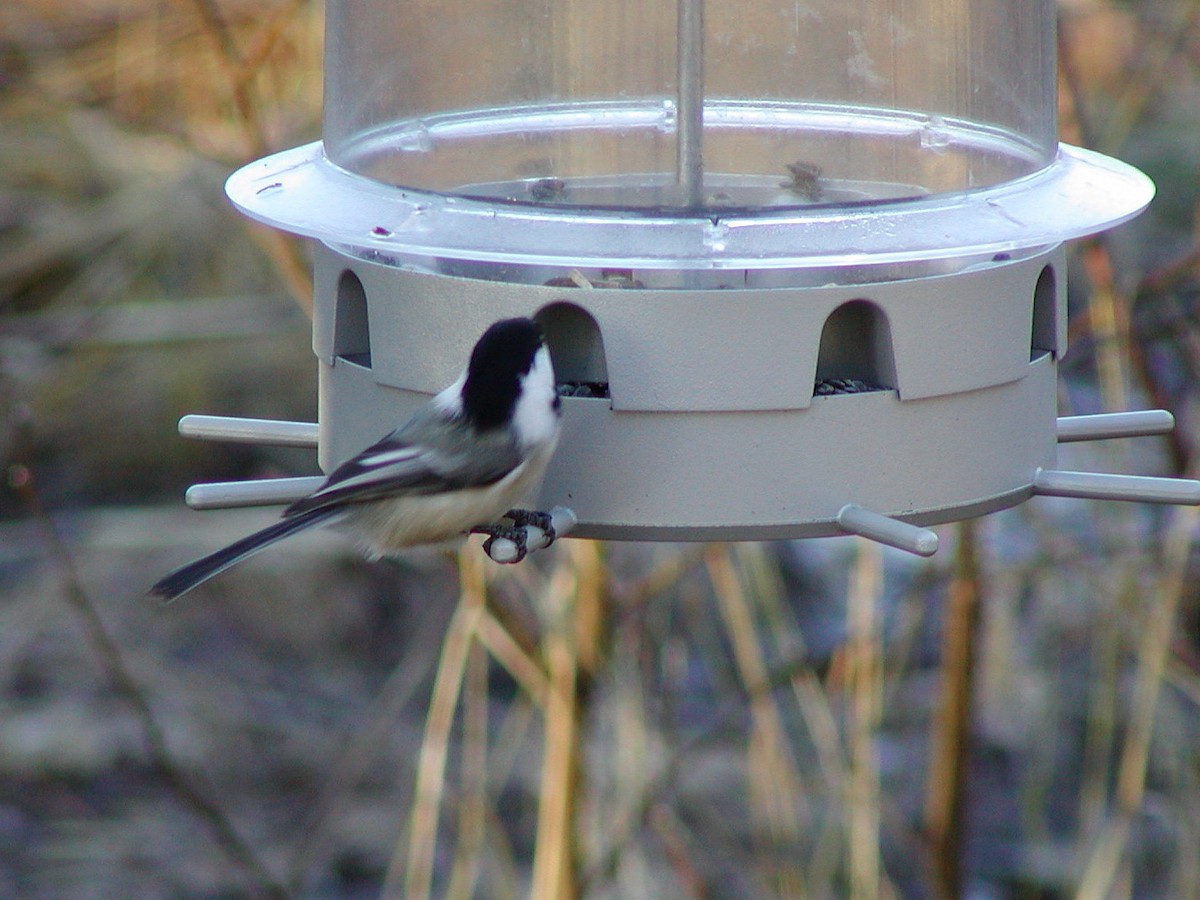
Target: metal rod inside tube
689, 153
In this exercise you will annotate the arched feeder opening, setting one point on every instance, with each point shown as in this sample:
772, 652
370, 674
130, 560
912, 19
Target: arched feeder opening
1044, 331
352, 325
577, 349
856, 351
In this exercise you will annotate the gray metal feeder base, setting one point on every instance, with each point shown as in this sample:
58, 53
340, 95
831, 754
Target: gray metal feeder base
765, 474
695, 414
711, 430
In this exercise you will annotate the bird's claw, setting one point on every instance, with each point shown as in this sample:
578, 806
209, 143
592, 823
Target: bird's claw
538, 519
514, 546
529, 530
518, 553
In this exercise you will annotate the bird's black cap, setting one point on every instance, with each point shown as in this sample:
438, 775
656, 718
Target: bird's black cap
502, 356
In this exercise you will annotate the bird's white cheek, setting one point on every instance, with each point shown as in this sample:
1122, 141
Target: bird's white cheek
535, 418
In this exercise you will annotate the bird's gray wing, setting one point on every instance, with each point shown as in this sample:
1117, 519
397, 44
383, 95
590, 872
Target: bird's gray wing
434, 453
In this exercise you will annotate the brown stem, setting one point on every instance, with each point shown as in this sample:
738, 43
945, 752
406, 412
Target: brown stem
945, 798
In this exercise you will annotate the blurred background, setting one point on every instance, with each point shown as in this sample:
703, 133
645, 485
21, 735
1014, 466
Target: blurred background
1017, 717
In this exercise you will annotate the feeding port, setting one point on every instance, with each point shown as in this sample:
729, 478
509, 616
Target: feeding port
799, 265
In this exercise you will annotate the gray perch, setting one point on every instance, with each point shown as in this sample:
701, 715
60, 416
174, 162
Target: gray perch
270, 432
1114, 425
1102, 486
260, 492
886, 530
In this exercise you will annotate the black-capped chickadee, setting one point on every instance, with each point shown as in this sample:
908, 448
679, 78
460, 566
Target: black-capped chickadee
460, 464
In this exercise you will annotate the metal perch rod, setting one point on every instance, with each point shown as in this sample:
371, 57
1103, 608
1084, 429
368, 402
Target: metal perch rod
1114, 425
886, 530
249, 431
260, 492
1102, 486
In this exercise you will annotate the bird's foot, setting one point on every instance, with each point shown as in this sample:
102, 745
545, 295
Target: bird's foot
529, 530
505, 543
538, 519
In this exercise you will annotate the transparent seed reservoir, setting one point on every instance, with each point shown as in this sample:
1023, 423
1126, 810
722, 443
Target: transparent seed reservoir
791, 257
610, 101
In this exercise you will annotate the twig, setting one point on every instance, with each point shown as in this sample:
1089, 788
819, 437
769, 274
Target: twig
773, 771
670, 831
1171, 274
813, 704
158, 751
281, 249
1109, 316
1156, 288
523, 668
552, 857
1133, 99
231, 60
1110, 310
945, 798
368, 736
629, 716
472, 808
577, 582
416, 880
1101, 725
864, 687
722, 719
1070, 78
1153, 653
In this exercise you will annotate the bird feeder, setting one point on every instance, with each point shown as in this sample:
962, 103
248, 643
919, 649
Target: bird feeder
799, 264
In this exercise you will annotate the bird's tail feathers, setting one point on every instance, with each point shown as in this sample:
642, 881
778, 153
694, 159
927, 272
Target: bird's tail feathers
194, 573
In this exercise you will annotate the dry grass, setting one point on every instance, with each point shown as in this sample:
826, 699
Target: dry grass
618, 721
